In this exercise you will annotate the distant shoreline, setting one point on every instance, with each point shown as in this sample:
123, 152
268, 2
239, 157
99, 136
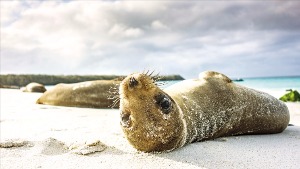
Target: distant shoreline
272, 77
17, 81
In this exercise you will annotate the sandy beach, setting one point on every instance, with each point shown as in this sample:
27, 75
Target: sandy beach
42, 136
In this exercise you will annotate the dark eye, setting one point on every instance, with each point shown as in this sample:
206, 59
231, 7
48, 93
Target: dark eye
164, 103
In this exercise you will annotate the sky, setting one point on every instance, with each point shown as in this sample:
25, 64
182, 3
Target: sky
236, 38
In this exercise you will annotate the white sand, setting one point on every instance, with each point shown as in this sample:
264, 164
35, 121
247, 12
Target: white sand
42, 136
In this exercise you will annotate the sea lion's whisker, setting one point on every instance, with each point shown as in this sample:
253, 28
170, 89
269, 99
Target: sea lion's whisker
151, 73
112, 97
159, 84
146, 73
116, 100
156, 77
114, 104
113, 92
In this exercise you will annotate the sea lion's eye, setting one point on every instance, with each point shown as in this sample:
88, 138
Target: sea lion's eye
164, 103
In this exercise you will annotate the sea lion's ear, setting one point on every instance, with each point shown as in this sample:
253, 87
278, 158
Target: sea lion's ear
164, 103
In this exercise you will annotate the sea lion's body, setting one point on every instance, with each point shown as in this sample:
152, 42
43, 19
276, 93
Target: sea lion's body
195, 110
91, 94
34, 87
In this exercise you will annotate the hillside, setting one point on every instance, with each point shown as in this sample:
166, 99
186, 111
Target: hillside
23, 80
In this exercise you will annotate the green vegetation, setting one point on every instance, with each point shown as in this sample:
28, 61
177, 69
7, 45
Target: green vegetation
171, 77
23, 80
292, 96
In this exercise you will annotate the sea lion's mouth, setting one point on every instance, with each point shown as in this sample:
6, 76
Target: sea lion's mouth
125, 119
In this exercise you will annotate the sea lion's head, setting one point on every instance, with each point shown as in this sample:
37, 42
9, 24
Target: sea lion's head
150, 118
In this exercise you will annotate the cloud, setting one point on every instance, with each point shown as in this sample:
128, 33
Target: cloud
158, 25
122, 31
244, 38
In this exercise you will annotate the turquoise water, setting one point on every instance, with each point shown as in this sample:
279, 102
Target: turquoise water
269, 83
275, 86
272, 83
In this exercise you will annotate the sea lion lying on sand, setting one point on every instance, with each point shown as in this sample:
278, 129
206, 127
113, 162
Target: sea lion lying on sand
194, 110
34, 87
91, 94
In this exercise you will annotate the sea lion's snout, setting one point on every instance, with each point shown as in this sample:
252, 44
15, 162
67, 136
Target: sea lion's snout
125, 119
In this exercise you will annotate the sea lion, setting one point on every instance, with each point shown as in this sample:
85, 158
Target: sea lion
34, 87
212, 106
91, 94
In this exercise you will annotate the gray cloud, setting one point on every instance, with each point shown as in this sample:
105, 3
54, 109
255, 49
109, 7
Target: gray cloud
238, 38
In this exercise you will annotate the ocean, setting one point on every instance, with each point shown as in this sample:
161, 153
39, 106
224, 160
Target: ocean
275, 86
272, 83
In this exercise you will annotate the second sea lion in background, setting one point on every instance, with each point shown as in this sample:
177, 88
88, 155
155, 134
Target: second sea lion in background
34, 87
91, 94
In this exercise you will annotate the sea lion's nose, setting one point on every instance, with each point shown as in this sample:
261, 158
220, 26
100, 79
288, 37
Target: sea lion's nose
125, 119
133, 82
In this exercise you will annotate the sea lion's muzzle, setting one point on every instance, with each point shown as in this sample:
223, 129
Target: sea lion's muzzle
125, 119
